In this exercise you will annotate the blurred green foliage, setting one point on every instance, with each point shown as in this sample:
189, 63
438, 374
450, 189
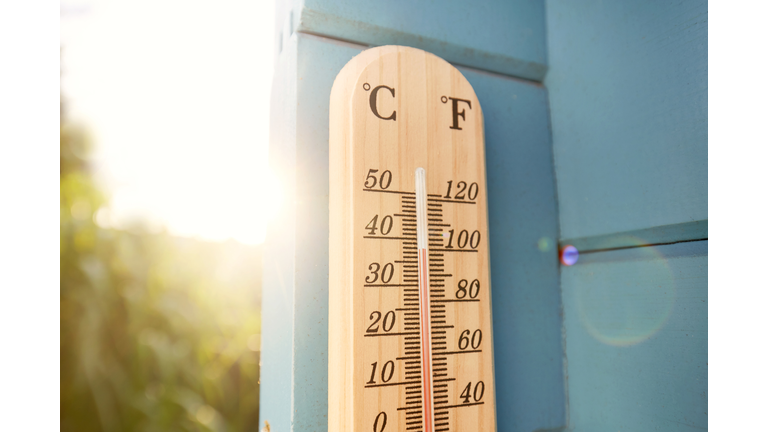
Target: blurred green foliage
158, 333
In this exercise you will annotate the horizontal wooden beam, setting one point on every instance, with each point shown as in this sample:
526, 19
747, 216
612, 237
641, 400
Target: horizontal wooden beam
660, 235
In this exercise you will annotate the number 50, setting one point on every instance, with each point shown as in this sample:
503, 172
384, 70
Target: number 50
384, 180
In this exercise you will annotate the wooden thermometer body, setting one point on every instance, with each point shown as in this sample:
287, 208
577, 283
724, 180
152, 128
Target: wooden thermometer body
410, 340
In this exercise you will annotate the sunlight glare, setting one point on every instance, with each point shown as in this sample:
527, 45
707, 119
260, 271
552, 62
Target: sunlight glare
180, 118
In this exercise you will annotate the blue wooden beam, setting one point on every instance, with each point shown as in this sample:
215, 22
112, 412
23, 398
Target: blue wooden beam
506, 37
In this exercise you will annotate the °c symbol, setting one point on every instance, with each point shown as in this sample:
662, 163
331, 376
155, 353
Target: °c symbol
366, 86
372, 102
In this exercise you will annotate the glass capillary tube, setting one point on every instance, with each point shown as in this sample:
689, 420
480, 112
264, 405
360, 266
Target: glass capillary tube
422, 236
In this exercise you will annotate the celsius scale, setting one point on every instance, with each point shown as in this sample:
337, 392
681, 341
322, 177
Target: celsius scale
410, 337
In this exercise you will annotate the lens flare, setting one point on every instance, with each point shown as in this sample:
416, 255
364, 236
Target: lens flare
627, 298
545, 244
569, 255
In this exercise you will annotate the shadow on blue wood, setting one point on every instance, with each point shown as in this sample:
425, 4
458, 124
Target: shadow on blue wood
522, 216
501, 36
636, 328
523, 227
628, 97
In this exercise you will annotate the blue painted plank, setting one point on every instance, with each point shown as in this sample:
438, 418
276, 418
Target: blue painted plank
501, 36
522, 216
277, 302
628, 98
636, 327
294, 370
318, 62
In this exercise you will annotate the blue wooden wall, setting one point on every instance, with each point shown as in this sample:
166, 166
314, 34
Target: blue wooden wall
628, 94
627, 84
575, 110
636, 339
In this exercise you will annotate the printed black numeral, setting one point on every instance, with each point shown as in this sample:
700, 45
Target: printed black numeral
463, 239
461, 186
386, 225
387, 325
465, 341
371, 328
465, 394
383, 181
386, 272
386, 372
462, 192
383, 416
474, 289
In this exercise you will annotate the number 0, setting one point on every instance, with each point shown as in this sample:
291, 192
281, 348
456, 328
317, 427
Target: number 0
383, 416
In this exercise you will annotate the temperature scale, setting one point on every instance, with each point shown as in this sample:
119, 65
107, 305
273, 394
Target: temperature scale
410, 340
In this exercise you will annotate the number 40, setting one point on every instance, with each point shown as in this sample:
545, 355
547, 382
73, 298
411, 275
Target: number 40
477, 394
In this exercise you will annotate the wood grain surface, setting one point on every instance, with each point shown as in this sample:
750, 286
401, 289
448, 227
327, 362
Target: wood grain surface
393, 110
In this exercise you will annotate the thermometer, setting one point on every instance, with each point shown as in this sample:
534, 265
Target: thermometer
410, 341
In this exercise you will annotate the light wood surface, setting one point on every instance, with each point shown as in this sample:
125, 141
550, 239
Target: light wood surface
427, 116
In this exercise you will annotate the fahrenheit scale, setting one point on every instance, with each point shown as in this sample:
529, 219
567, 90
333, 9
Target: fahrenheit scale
410, 342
